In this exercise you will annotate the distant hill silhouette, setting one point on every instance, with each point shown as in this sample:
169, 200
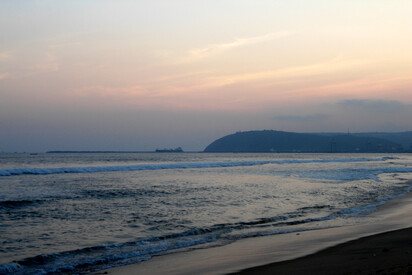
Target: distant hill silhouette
403, 138
278, 141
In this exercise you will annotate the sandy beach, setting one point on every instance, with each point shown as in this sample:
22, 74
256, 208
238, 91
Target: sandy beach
386, 253
384, 246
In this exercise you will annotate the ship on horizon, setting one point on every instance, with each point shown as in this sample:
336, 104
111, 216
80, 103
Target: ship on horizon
176, 150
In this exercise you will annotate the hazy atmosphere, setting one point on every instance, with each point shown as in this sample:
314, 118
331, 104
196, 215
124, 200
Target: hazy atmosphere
141, 75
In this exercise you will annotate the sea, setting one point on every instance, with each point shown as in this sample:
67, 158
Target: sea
76, 213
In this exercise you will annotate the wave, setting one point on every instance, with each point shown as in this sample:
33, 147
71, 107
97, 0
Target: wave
100, 257
105, 256
370, 208
350, 174
163, 166
17, 203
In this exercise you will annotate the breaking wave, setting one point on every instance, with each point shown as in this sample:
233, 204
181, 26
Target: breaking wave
111, 255
162, 166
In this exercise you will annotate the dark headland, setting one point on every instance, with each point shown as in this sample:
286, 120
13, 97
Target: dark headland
279, 141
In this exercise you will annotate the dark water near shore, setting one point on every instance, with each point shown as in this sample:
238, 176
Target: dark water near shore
79, 212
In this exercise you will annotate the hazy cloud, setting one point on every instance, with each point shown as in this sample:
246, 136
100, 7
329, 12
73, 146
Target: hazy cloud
219, 48
324, 68
22, 64
102, 91
374, 105
302, 118
48, 64
358, 115
5, 56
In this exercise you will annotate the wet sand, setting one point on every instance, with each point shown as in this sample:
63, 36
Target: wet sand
341, 251
386, 253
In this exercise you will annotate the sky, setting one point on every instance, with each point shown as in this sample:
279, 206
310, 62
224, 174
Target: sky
141, 75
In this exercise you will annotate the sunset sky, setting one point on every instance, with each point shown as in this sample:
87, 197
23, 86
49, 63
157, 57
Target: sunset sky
141, 75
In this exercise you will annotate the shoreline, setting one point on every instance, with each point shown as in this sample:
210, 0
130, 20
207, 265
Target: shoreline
258, 252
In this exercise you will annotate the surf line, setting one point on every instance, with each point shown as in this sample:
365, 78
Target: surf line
163, 166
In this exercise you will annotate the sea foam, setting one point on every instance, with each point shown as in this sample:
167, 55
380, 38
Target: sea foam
161, 166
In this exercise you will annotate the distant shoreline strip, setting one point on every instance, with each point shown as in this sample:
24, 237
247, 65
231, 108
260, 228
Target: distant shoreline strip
164, 166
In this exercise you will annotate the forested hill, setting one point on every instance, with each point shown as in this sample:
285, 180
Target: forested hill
278, 141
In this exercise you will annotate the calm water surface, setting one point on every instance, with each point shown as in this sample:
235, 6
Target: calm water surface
79, 212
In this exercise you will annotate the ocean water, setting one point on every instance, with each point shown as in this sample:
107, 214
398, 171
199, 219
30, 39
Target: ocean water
76, 213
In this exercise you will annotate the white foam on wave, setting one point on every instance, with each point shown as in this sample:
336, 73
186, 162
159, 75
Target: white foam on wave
352, 174
161, 166
105, 256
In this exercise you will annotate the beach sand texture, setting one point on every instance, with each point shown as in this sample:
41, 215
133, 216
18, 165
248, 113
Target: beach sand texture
386, 253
